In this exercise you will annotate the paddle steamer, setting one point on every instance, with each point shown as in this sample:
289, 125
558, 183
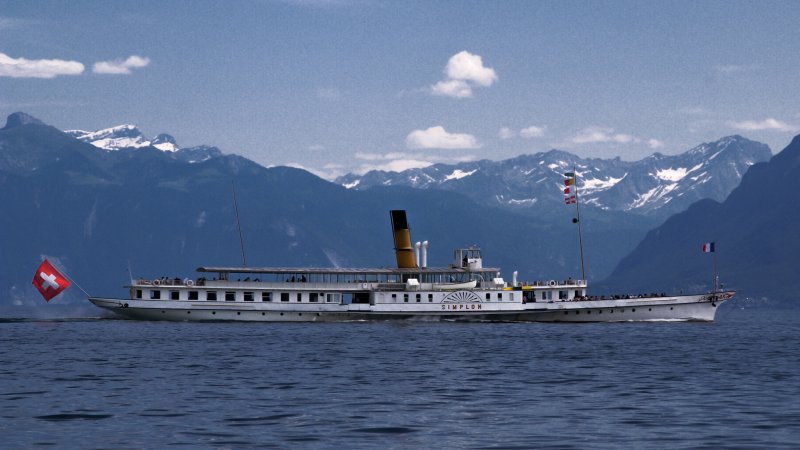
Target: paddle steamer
465, 290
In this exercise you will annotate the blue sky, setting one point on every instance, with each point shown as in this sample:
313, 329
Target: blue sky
349, 85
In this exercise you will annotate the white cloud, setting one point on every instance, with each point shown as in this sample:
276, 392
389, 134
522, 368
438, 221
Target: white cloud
37, 68
533, 131
468, 67
505, 133
399, 161
452, 88
119, 66
463, 72
655, 144
438, 137
766, 124
396, 165
593, 135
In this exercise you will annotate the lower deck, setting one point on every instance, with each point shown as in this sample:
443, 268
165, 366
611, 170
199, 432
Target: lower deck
695, 307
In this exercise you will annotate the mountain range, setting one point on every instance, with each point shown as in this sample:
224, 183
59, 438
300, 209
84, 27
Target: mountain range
755, 234
656, 186
98, 212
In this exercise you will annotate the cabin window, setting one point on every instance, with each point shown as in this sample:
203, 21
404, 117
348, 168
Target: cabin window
193, 295
284, 296
405, 298
211, 296
138, 293
563, 295
430, 298
313, 297
394, 298
547, 295
174, 295
266, 297
155, 295
499, 295
488, 296
230, 296
248, 296
578, 293
419, 298
333, 298
299, 296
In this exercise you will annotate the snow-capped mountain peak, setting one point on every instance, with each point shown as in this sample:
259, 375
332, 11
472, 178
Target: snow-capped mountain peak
657, 185
124, 136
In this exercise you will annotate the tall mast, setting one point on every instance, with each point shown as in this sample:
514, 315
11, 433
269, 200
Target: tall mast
578, 219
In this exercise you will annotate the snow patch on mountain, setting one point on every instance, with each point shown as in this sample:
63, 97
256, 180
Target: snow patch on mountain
597, 184
672, 174
459, 174
124, 136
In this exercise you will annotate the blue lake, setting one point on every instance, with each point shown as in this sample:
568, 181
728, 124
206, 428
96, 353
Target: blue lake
101, 383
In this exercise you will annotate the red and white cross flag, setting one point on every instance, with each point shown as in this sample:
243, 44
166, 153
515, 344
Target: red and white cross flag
49, 281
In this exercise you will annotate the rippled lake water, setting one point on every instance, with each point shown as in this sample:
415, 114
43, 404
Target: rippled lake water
100, 383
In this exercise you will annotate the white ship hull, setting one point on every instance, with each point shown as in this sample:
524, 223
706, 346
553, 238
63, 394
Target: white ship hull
681, 308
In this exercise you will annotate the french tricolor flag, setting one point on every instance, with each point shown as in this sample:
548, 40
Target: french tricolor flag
708, 247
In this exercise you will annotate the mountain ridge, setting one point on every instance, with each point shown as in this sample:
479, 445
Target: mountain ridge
657, 185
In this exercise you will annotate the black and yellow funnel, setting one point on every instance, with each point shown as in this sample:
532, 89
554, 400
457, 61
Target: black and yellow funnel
402, 240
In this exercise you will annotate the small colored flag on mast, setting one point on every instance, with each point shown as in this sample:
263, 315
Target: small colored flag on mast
49, 281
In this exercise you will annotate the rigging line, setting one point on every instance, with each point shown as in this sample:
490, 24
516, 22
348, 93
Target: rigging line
238, 223
64, 272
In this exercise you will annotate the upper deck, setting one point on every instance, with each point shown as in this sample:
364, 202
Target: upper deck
362, 275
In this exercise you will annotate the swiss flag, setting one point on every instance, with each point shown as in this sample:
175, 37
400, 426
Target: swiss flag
49, 281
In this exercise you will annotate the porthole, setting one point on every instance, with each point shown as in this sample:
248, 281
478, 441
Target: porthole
671, 308
600, 312
213, 313
263, 314
299, 314
238, 313
281, 313
566, 313
163, 312
633, 310
188, 312
649, 309
611, 312
588, 312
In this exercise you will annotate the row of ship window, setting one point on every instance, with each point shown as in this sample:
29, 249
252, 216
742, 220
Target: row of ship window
247, 296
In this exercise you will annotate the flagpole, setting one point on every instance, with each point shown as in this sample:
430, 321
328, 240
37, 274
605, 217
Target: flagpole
578, 214
715, 267
64, 272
